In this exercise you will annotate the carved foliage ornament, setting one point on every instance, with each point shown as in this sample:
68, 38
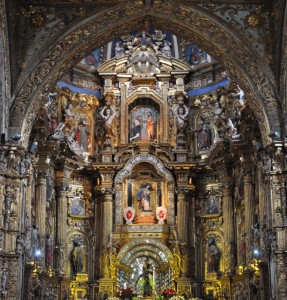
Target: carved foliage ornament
92, 34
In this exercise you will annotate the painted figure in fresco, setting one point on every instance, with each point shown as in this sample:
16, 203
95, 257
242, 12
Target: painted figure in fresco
213, 256
150, 126
143, 197
136, 129
82, 136
77, 259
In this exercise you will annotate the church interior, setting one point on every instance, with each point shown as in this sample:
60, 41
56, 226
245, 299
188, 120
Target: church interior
143, 149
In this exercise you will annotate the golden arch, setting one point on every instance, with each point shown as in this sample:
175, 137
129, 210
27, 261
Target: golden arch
189, 22
146, 244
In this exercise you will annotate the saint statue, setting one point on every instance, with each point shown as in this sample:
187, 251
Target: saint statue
143, 197
77, 259
213, 256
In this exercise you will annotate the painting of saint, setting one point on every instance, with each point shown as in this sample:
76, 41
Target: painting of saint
212, 207
143, 124
93, 59
193, 55
77, 207
144, 197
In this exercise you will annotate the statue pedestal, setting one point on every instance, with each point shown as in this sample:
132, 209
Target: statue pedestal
212, 276
107, 286
183, 286
79, 287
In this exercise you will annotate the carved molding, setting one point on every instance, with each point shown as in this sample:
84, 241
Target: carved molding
187, 22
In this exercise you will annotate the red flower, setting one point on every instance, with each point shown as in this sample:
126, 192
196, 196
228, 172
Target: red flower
168, 292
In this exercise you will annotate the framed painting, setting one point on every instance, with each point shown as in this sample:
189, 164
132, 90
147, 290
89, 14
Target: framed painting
143, 124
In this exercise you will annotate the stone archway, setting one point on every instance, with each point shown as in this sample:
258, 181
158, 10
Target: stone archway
189, 22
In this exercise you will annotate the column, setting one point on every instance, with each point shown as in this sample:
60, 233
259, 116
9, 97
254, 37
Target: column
228, 217
123, 78
164, 87
106, 222
182, 206
279, 249
40, 211
61, 231
182, 217
249, 215
107, 217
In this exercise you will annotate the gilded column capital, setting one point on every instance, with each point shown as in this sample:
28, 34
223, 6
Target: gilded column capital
107, 178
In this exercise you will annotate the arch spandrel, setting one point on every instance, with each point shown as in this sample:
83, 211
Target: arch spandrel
187, 22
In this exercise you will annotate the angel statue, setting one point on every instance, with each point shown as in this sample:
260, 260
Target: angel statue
231, 132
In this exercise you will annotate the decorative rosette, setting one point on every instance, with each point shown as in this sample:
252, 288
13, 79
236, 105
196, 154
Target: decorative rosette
129, 214
161, 214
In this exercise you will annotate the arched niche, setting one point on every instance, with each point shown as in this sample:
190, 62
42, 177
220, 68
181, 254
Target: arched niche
212, 262
126, 192
205, 129
144, 250
189, 22
77, 249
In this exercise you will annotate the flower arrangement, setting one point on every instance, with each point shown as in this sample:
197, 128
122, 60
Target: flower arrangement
168, 293
126, 293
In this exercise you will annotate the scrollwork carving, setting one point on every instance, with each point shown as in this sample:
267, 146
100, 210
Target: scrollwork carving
88, 34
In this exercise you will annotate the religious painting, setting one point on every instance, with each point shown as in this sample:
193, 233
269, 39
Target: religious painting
93, 59
77, 207
143, 124
211, 207
193, 55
